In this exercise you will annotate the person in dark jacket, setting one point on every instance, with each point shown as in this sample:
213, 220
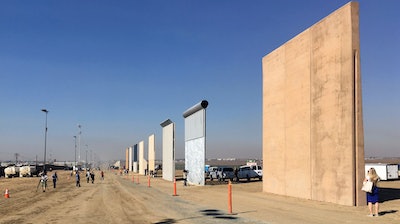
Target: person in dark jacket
92, 176
78, 179
55, 178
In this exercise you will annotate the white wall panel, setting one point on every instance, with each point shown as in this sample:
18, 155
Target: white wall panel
142, 165
195, 160
195, 125
152, 152
195, 145
168, 152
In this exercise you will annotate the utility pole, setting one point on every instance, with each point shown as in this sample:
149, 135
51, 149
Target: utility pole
45, 141
16, 158
86, 161
75, 152
79, 143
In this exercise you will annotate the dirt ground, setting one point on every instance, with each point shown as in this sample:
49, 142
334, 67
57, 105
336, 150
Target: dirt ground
121, 199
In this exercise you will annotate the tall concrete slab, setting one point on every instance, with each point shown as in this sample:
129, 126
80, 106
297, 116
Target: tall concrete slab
135, 158
195, 142
142, 162
312, 113
126, 158
151, 152
130, 159
168, 150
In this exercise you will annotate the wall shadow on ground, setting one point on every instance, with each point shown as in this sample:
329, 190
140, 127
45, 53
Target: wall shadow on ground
387, 212
214, 213
217, 214
166, 221
388, 194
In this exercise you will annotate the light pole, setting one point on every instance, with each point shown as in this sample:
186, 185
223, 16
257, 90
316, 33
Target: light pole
79, 143
75, 152
86, 162
45, 141
91, 159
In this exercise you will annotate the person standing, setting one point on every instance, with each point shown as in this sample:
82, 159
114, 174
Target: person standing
102, 175
236, 174
92, 176
78, 179
55, 178
87, 176
43, 181
185, 174
373, 197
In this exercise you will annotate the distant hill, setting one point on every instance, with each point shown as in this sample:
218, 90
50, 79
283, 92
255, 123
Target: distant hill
392, 160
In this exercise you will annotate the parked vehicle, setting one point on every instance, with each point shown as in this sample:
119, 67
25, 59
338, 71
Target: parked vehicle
11, 171
206, 168
385, 171
212, 172
248, 172
27, 171
225, 173
258, 170
221, 173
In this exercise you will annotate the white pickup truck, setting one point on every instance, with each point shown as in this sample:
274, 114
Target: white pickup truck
248, 172
222, 173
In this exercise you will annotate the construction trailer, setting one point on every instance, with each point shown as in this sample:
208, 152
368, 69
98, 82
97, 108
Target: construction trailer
385, 171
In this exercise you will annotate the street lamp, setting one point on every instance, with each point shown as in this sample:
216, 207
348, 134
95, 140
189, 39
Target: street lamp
86, 162
79, 143
45, 141
75, 152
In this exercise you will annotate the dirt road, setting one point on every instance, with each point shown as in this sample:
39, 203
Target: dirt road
118, 199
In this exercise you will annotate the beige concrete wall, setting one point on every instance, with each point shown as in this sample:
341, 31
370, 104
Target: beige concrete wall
168, 152
130, 158
312, 118
142, 161
126, 158
152, 152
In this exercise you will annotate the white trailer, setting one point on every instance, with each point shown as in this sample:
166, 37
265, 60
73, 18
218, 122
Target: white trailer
385, 171
11, 171
27, 171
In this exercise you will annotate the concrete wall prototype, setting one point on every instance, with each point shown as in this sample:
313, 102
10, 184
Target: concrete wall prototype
313, 143
130, 159
142, 165
135, 158
195, 143
152, 153
168, 150
126, 158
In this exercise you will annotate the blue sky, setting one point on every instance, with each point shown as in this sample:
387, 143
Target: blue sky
120, 68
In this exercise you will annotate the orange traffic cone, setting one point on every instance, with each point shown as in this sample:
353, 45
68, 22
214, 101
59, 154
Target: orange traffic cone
6, 194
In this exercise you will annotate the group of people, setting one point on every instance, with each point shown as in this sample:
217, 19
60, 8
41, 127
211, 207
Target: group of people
89, 177
44, 178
